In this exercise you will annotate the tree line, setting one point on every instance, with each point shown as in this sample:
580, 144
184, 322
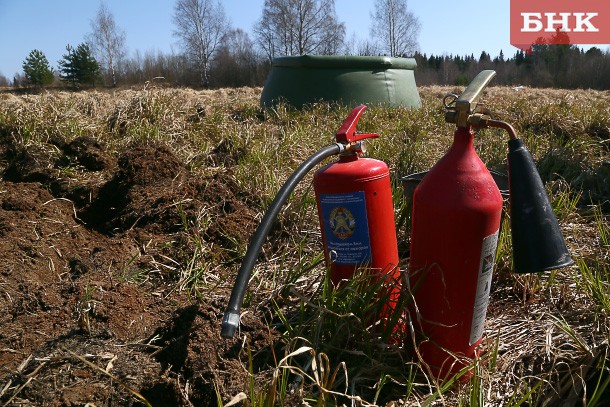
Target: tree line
545, 65
214, 54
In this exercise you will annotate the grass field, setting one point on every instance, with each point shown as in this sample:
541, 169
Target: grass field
124, 216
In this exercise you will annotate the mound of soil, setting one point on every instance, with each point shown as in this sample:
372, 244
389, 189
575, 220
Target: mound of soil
191, 350
88, 315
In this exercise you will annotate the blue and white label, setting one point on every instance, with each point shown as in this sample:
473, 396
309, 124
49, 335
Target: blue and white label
346, 228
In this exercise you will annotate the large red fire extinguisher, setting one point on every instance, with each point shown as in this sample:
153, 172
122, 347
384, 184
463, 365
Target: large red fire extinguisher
455, 223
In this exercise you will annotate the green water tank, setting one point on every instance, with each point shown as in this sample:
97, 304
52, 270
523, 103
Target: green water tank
350, 80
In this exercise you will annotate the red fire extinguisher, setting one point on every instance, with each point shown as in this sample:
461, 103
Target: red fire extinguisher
355, 207
455, 224
354, 199
456, 216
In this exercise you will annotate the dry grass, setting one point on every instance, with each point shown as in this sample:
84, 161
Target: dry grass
546, 335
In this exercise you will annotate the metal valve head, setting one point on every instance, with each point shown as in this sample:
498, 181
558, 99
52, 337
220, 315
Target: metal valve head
466, 103
538, 244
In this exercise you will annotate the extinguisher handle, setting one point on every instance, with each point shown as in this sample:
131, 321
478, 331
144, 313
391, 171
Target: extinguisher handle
347, 132
466, 104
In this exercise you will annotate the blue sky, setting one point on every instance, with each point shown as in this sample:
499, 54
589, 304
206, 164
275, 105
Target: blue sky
449, 27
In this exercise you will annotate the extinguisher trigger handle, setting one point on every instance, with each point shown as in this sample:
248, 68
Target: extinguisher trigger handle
359, 137
347, 132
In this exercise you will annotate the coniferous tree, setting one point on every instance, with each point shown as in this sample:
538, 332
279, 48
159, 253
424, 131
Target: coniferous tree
519, 57
78, 66
37, 69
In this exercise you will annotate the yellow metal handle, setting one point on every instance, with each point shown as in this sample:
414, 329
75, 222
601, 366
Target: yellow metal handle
466, 103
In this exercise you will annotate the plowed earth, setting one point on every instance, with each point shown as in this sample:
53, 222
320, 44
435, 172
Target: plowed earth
78, 323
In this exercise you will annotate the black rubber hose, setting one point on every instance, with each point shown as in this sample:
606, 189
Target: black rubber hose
230, 321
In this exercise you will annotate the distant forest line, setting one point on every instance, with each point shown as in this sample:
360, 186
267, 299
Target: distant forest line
556, 66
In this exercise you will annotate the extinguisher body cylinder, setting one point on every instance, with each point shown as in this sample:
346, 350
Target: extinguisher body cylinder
355, 208
455, 224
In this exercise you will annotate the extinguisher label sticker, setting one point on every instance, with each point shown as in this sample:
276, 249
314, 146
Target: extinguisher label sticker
346, 227
486, 267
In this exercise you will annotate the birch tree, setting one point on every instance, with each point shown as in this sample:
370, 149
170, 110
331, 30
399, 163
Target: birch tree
200, 26
297, 27
107, 42
395, 28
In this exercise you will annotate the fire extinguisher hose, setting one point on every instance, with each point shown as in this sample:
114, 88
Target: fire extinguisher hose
230, 321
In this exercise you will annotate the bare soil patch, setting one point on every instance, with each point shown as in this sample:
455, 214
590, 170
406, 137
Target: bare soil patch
72, 248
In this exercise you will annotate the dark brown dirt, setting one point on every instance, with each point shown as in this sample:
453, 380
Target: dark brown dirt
89, 309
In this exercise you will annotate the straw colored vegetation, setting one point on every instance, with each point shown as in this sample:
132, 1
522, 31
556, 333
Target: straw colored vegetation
143, 287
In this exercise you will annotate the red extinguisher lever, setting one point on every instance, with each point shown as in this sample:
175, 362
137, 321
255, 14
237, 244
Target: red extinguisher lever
347, 132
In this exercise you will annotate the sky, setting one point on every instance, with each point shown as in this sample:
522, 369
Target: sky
447, 27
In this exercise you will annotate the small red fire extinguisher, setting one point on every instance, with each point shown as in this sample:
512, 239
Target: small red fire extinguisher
355, 208
455, 223
356, 214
